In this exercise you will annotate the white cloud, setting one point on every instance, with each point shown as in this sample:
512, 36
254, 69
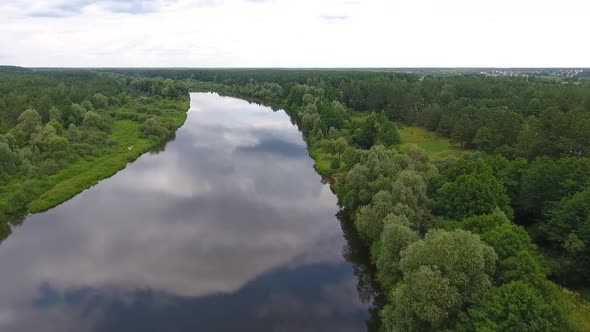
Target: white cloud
303, 33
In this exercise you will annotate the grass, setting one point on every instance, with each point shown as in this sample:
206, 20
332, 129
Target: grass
87, 172
436, 146
577, 309
323, 162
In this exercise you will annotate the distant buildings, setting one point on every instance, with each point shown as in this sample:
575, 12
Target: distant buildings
561, 72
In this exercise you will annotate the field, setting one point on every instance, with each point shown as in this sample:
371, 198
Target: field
436, 146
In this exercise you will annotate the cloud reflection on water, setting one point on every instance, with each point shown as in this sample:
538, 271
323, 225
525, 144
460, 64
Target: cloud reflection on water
231, 214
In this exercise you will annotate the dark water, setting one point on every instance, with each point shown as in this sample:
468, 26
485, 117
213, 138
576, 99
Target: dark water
228, 228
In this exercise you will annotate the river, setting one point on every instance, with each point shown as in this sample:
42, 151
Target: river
226, 228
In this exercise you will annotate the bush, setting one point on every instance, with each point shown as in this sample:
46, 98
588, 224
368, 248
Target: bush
335, 164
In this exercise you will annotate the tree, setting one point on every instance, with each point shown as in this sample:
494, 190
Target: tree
152, 128
308, 99
396, 236
55, 113
442, 273
73, 134
483, 139
28, 122
388, 134
42, 136
335, 164
409, 199
522, 266
424, 301
516, 306
339, 146
508, 239
355, 187
472, 194
369, 221
8, 159
73, 114
568, 229
100, 101
462, 131
368, 132
552, 132
526, 141
91, 120
58, 147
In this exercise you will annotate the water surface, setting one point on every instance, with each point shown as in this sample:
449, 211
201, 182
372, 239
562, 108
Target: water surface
228, 228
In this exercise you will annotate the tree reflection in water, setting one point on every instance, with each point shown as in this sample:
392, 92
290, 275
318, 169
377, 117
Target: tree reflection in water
358, 254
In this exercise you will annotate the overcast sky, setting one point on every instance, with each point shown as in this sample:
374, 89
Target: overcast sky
295, 33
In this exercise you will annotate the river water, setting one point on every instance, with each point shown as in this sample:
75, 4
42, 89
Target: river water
228, 228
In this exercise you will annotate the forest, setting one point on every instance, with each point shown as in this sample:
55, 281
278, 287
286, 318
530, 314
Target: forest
495, 237
63, 131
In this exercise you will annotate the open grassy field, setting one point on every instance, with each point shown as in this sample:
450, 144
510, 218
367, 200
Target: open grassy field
435, 145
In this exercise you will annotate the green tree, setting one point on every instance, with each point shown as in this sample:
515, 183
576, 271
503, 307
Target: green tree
91, 120
516, 306
442, 273
396, 236
335, 164
100, 101
8, 159
28, 123
340, 146
472, 194
369, 220
568, 229
483, 139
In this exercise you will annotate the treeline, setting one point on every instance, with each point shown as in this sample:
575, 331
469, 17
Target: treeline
516, 117
510, 116
50, 120
448, 236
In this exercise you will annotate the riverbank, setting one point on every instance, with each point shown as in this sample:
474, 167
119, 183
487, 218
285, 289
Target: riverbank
125, 144
354, 186
87, 172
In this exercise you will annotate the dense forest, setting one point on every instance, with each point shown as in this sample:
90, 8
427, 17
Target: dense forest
62, 131
488, 239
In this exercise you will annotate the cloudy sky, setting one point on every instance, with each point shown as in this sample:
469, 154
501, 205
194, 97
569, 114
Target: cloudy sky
295, 33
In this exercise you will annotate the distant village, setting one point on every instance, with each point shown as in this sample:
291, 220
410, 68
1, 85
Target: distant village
541, 72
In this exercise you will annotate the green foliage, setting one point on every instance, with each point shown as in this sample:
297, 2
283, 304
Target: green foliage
578, 310
442, 273
547, 181
369, 221
335, 164
515, 306
396, 236
62, 132
436, 146
41, 162
568, 229
472, 194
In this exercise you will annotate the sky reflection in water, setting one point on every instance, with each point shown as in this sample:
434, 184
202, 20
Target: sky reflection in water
229, 228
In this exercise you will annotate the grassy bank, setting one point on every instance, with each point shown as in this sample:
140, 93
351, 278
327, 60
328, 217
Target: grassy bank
84, 173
